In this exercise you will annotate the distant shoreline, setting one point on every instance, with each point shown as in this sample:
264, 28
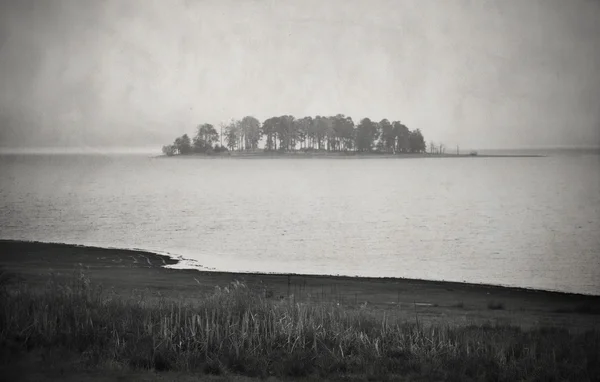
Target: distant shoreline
342, 155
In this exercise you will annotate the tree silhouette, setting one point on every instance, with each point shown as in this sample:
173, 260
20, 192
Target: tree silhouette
417, 142
183, 145
206, 137
366, 135
287, 133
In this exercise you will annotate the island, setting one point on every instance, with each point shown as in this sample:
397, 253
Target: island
319, 137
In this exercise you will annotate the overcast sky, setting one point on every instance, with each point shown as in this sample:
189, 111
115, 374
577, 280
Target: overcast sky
482, 74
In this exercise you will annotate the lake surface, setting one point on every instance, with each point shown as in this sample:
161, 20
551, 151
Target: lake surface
529, 222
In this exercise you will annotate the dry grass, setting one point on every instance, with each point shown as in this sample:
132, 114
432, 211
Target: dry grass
493, 305
580, 309
238, 330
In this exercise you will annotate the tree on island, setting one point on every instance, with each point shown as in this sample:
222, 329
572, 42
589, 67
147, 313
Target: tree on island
322, 127
417, 142
284, 129
268, 129
232, 134
250, 130
388, 136
183, 145
402, 134
285, 133
366, 135
206, 137
344, 132
302, 127
169, 150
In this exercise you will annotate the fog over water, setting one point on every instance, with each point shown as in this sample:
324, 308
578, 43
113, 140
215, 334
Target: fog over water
481, 74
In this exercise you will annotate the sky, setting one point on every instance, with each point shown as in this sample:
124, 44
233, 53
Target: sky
136, 73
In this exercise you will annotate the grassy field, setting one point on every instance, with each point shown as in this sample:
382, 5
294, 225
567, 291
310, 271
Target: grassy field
77, 313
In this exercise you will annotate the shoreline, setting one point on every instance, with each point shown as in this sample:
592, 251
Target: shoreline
168, 259
87, 313
342, 155
136, 274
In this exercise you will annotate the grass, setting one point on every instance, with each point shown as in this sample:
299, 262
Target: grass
580, 309
493, 305
237, 330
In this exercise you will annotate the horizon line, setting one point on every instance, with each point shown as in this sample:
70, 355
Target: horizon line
149, 149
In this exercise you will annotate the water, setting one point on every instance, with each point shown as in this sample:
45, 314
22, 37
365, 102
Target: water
529, 222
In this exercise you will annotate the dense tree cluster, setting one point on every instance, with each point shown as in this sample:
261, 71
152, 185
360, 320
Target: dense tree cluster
286, 133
